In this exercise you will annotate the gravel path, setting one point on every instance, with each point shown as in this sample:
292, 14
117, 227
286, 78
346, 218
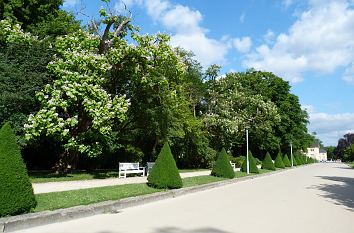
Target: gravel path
82, 184
312, 199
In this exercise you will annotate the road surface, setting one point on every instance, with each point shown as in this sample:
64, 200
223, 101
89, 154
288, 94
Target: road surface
313, 199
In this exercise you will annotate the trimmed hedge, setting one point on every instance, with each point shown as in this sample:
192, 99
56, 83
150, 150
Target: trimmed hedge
286, 161
298, 160
278, 162
252, 164
268, 163
16, 193
164, 174
222, 166
294, 161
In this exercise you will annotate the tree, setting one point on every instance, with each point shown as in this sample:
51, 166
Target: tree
349, 153
268, 163
293, 120
75, 108
16, 193
41, 17
343, 144
164, 174
230, 110
278, 162
331, 152
286, 161
252, 164
23, 61
222, 166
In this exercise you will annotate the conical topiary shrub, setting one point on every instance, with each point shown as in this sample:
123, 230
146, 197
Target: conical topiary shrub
16, 193
252, 164
294, 161
222, 166
164, 174
278, 162
286, 161
298, 160
268, 163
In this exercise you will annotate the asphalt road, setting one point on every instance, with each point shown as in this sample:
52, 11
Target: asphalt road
312, 199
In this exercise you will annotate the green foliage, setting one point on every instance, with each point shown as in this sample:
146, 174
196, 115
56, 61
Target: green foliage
76, 109
252, 164
298, 160
278, 162
43, 18
16, 193
230, 109
164, 173
268, 163
294, 161
222, 166
286, 161
22, 72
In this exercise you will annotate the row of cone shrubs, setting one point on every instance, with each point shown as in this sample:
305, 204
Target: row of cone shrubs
16, 193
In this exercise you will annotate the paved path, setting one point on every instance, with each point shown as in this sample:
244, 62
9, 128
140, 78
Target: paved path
312, 199
82, 184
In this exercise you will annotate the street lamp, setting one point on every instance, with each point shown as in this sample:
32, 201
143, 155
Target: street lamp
291, 154
248, 162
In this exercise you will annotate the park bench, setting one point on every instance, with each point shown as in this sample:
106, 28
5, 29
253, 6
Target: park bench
130, 168
233, 165
149, 166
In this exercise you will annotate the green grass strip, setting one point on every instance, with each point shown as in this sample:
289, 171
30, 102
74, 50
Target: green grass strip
66, 199
44, 177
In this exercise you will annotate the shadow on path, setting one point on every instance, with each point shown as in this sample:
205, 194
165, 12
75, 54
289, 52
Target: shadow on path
179, 230
342, 193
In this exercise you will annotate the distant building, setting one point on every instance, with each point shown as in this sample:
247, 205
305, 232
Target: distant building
317, 153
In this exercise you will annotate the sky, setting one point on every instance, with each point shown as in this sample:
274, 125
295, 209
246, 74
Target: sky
309, 43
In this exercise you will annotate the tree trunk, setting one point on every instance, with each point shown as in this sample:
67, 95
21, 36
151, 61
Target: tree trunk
67, 162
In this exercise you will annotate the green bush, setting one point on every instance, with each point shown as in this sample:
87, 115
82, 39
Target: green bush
252, 164
164, 174
294, 161
298, 160
278, 162
16, 193
258, 161
222, 166
286, 161
239, 161
268, 163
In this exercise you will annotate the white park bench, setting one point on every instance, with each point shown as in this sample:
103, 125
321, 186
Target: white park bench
149, 165
233, 165
130, 168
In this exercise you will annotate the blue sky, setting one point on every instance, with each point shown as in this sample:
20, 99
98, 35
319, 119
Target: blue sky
309, 43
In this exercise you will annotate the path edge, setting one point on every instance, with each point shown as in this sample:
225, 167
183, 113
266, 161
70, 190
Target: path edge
20, 222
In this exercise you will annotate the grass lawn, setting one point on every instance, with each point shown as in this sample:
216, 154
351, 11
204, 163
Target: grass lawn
43, 177
59, 200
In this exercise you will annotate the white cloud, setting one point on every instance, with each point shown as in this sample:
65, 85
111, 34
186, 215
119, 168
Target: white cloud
243, 45
70, 3
242, 18
329, 127
287, 3
321, 40
187, 31
269, 37
348, 75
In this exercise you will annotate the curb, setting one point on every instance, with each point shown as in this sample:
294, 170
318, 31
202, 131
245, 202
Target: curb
25, 221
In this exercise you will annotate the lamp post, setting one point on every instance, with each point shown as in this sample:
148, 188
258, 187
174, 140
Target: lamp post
248, 162
291, 154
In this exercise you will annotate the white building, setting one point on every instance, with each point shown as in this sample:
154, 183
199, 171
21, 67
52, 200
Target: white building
317, 153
